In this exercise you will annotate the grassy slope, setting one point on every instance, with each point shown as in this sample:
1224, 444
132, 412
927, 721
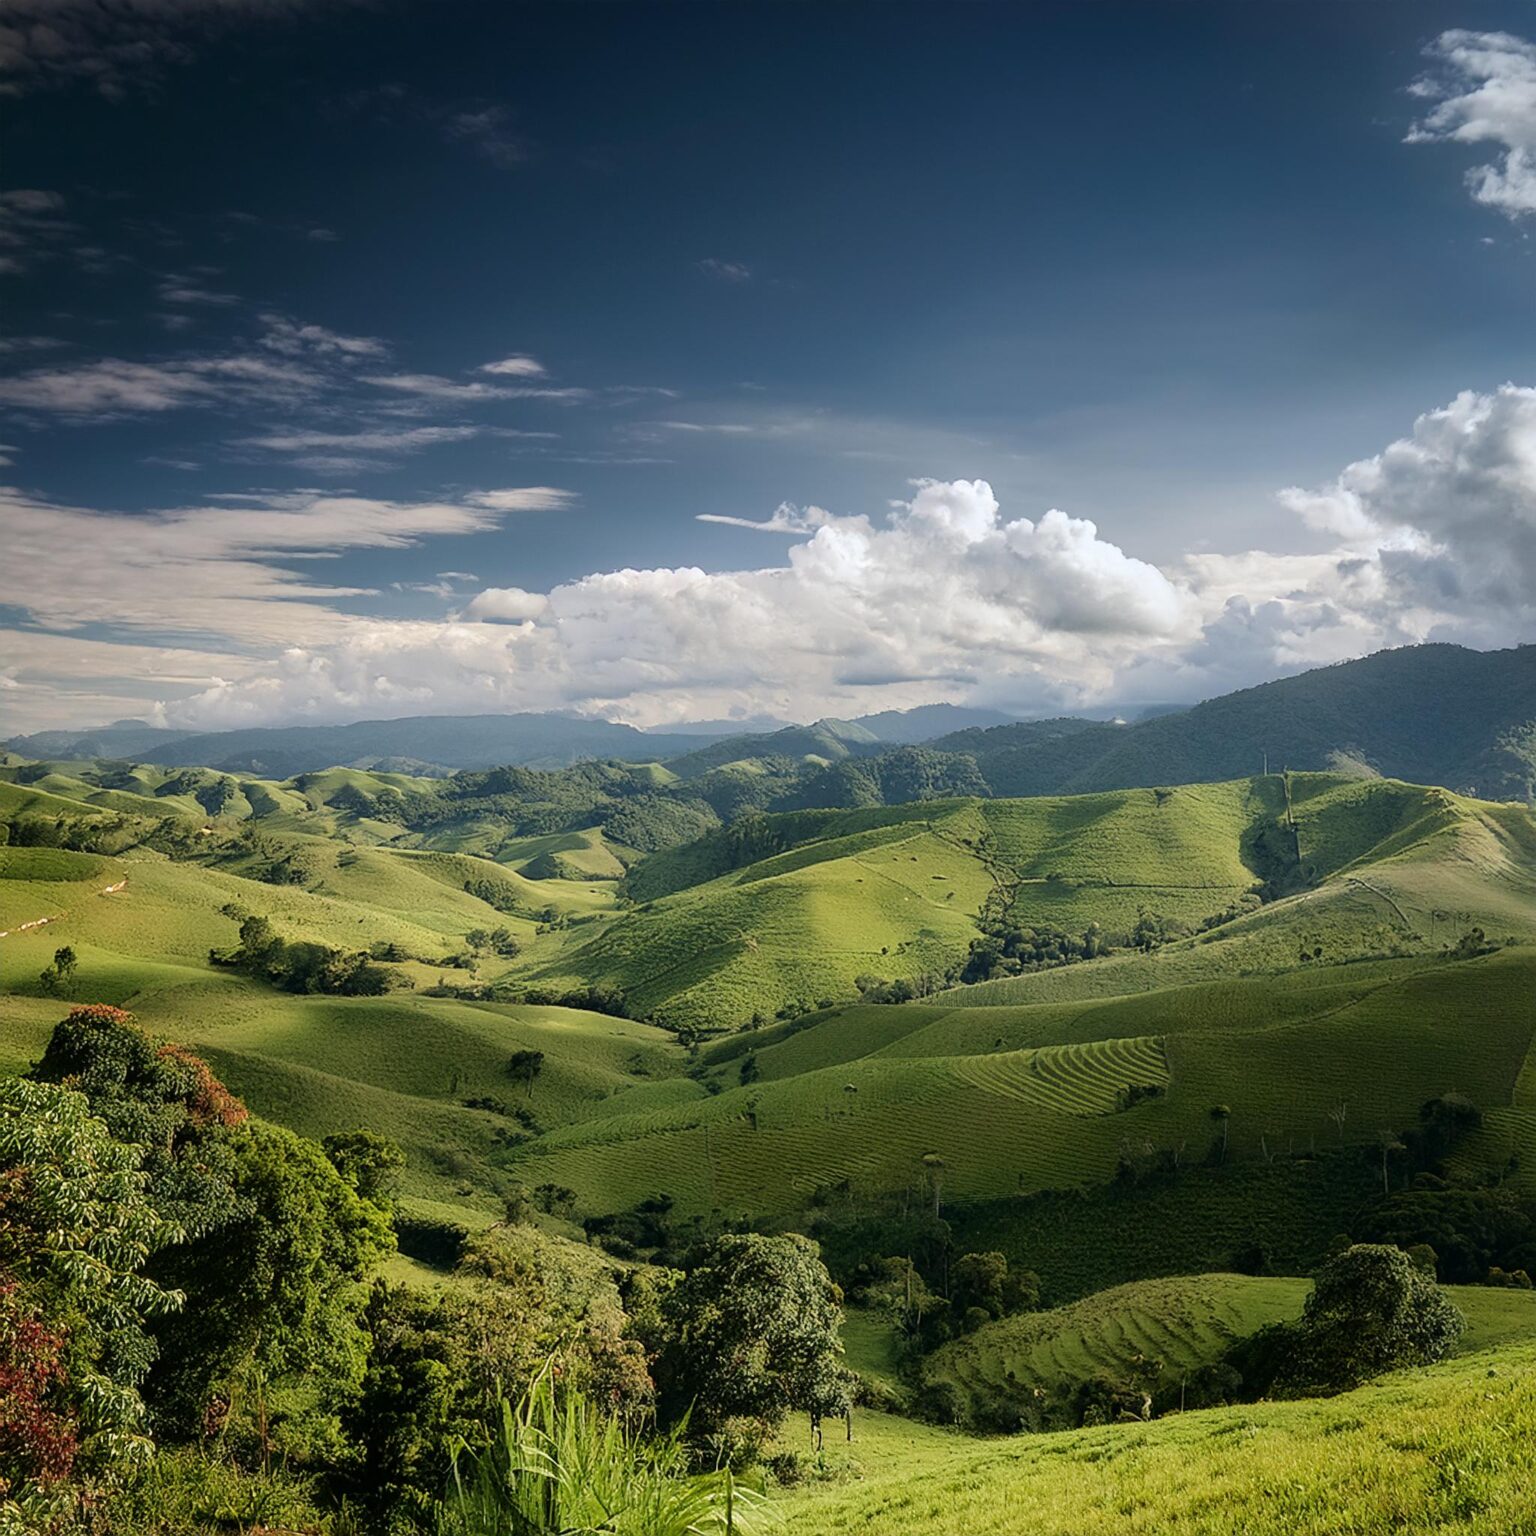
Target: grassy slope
1011, 1121
1014, 1085
1451, 1448
1164, 1329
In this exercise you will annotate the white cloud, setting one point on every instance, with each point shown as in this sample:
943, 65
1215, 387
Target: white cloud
1484, 90
486, 130
786, 518
518, 366
1449, 512
431, 386
940, 596
508, 605
404, 440
112, 386
295, 339
725, 271
221, 573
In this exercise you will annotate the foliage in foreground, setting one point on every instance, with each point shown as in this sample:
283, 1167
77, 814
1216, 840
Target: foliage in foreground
557, 1463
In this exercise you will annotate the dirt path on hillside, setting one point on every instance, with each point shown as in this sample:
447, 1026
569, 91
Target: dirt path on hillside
58, 917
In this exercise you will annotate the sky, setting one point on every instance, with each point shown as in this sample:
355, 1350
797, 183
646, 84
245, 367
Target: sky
366, 358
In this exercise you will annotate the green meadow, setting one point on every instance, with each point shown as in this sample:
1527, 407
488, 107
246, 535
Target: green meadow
1327, 955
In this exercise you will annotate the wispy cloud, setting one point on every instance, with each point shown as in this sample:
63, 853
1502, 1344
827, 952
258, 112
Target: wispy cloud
113, 387
32, 223
1483, 85
431, 386
518, 366
295, 339
113, 45
786, 518
724, 271
487, 130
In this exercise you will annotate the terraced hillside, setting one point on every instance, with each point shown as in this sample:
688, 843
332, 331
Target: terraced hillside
1157, 1333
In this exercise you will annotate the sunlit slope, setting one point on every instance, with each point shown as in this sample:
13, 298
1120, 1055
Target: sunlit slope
789, 911
894, 892
1389, 870
1011, 1121
1460, 1457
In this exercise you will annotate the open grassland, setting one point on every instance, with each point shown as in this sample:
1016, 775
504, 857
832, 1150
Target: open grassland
973, 1095
1451, 1448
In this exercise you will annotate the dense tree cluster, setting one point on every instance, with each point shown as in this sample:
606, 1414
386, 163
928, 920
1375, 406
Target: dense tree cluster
173, 1271
301, 965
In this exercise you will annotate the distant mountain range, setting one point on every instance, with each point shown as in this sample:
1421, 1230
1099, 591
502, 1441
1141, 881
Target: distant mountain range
1433, 714
448, 743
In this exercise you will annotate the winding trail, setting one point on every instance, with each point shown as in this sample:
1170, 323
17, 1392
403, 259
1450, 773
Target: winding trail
58, 917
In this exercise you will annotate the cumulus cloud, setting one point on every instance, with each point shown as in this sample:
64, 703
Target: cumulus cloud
507, 605
1448, 513
1483, 86
941, 595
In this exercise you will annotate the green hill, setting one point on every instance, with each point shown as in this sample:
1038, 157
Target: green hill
1448, 1448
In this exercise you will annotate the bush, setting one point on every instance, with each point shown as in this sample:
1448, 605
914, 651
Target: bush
1372, 1309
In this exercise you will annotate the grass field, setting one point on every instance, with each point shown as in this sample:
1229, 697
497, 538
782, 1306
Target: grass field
1451, 1448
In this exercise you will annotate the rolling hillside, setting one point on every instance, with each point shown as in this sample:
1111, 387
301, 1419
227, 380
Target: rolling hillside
1347, 984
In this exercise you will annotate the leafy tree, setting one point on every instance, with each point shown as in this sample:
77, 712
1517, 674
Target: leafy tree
57, 977
1372, 1309
751, 1333
76, 1232
984, 1282
276, 1286
526, 1065
410, 1407
39, 1437
276, 1239
370, 1163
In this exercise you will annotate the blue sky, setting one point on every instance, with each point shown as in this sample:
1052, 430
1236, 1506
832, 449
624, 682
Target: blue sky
308, 305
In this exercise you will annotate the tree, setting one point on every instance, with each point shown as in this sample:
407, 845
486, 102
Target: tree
751, 1333
984, 1282
76, 1231
58, 977
370, 1163
276, 1240
1372, 1309
526, 1065
1222, 1115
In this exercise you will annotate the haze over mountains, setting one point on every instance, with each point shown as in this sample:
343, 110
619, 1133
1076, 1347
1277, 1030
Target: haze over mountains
1428, 714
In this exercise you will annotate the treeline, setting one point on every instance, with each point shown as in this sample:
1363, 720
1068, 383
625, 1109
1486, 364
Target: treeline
189, 1319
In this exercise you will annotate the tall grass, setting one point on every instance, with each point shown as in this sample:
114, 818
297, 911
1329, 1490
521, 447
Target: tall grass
559, 1465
